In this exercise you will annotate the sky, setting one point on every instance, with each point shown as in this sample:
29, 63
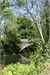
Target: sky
35, 10
17, 11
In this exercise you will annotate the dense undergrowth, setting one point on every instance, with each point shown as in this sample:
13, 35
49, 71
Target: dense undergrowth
21, 69
38, 59
35, 67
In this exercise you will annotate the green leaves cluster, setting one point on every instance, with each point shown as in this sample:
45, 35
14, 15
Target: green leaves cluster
26, 27
45, 20
11, 38
20, 2
5, 4
36, 67
11, 43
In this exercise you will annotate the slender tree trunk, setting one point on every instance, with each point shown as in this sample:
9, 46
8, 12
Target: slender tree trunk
38, 26
40, 31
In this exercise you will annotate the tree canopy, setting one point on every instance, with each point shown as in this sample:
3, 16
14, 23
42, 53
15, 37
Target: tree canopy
30, 19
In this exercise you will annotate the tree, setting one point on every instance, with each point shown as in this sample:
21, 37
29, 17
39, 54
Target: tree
3, 9
10, 38
38, 21
45, 20
27, 6
10, 41
26, 28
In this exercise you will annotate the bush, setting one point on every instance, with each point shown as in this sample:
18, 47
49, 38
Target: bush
20, 69
11, 43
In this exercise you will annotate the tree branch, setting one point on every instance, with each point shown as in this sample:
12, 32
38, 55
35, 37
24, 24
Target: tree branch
37, 24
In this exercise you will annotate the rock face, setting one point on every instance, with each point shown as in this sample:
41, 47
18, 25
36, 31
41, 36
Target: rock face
8, 59
24, 60
26, 43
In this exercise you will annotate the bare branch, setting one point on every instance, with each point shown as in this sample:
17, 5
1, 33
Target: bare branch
37, 24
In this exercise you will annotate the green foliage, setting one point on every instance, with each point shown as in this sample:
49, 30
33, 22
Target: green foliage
11, 37
3, 9
35, 67
22, 69
11, 44
20, 2
45, 20
26, 29
7, 12
5, 4
24, 22
23, 27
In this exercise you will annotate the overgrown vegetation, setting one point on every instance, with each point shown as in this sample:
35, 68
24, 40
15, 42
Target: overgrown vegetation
29, 26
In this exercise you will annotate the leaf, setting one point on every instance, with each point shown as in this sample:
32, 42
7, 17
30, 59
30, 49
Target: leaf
20, 2
7, 12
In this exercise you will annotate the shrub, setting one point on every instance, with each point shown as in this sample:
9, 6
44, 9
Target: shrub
11, 43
